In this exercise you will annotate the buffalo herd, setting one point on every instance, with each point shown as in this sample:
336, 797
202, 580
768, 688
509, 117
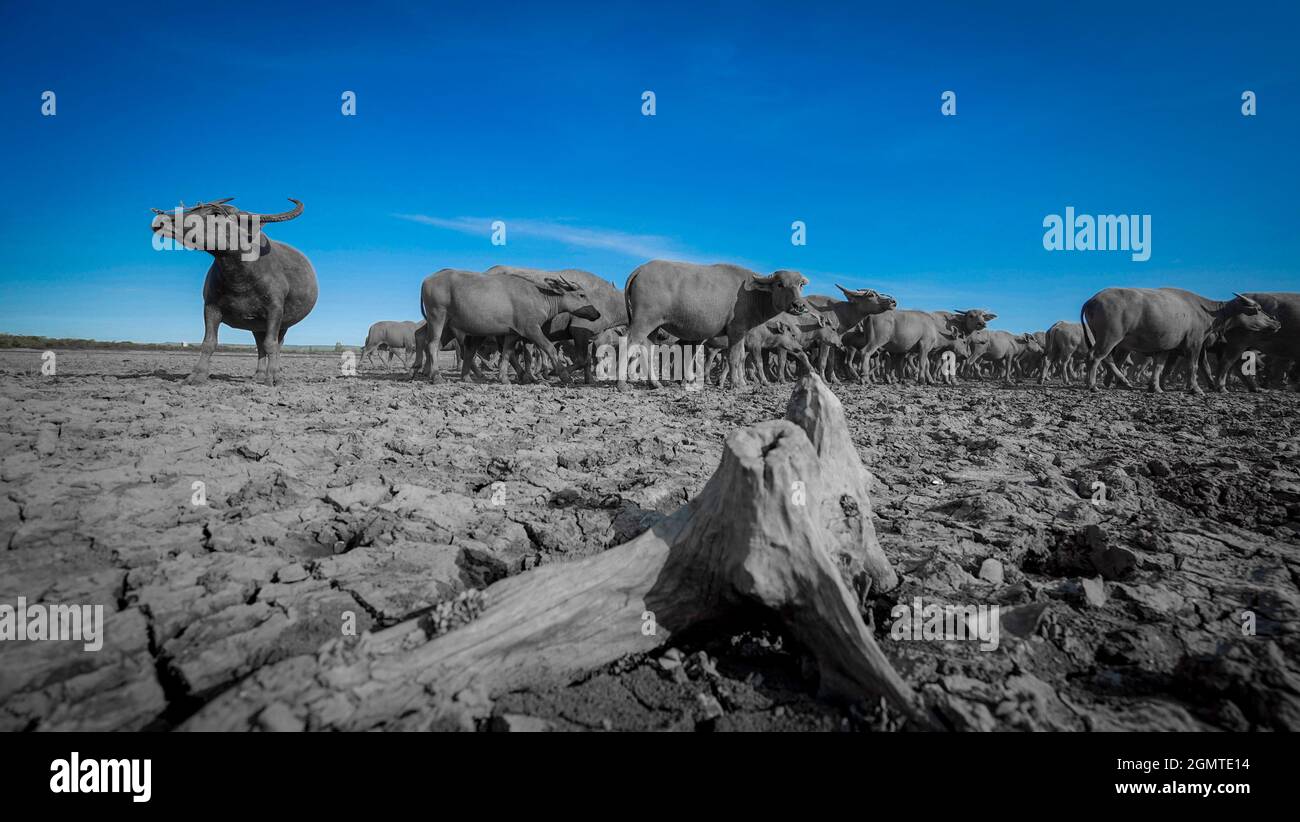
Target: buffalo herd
677, 320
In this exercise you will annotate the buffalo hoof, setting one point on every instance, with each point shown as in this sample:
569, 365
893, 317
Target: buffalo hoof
625, 387
196, 378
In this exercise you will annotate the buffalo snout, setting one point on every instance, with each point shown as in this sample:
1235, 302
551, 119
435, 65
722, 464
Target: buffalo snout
587, 312
1261, 322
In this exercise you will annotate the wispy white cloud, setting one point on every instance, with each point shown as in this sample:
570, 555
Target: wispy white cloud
640, 246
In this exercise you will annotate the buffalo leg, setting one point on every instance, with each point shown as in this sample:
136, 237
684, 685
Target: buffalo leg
260, 338
211, 322
1158, 363
469, 354
510, 357
274, 345
1193, 363
417, 363
537, 337
831, 365
638, 351
582, 352
922, 364
736, 359
435, 321
823, 364
870, 370
1096, 357
757, 357
848, 367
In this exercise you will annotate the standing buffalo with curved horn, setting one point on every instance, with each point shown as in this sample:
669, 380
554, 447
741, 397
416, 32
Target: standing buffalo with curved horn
255, 283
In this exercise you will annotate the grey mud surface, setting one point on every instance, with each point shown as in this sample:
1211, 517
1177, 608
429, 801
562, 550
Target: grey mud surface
333, 501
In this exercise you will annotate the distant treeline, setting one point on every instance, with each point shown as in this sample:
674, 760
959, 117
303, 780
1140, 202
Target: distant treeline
47, 343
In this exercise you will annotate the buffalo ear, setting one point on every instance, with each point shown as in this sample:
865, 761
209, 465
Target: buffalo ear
776, 328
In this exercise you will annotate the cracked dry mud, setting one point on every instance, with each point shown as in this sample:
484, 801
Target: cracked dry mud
385, 499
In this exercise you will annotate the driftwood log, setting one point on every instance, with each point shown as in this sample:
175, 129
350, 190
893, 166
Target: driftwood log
784, 525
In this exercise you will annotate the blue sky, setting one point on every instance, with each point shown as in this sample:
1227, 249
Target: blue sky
766, 114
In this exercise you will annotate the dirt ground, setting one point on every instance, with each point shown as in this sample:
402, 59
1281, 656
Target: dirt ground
1170, 604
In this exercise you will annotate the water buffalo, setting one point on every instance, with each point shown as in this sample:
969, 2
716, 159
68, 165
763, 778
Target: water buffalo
1064, 342
960, 347
255, 283
779, 336
699, 302
901, 332
504, 305
824, 342
843, 315
1163, 322
605, 296
812, 335
1031, 358
963, 323
390, 335
1281, 344
1001, 347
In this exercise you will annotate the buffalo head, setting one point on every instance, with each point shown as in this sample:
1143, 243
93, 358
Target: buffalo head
1259, 322
786, 288
572, 298
1030, 342
780, 326
829, 336
1240, 312
961, 347
971, 320
878, 303
217, 227
784, 337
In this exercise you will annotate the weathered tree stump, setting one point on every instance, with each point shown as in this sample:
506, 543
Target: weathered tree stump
781, 524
